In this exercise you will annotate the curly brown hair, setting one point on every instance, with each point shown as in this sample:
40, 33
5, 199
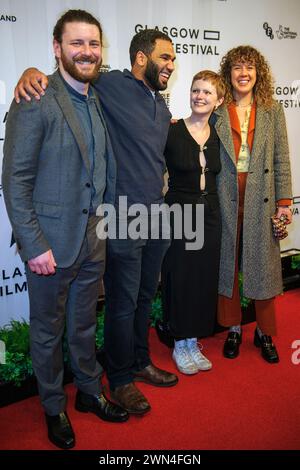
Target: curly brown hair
263, 89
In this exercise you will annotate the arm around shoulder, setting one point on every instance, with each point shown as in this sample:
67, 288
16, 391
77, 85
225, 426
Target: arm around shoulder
31, 83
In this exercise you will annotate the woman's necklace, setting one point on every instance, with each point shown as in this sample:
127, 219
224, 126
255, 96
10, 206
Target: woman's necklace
239, 105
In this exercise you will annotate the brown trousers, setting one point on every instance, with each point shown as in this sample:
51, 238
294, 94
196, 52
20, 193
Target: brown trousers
229, 309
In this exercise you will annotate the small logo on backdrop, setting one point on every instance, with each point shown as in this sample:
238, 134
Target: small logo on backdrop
8, 18
105, 68
166, 97
284, 32
2, 352
268, 30
296, 354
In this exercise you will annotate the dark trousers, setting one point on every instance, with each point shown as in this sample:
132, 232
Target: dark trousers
131, 279
68, 297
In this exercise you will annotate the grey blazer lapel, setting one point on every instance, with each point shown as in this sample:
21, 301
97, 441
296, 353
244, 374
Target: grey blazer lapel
262, 120
223, 129
65, 103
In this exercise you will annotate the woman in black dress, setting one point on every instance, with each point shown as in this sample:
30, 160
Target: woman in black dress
190, 277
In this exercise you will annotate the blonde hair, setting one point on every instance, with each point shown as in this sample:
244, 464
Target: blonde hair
263, 88
212, 77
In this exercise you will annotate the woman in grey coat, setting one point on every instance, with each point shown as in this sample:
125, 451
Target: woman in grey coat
254, 184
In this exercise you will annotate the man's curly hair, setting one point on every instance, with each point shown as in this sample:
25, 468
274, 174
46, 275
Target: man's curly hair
263, 88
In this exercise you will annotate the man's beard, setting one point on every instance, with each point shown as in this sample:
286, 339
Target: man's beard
152, 76
70, 67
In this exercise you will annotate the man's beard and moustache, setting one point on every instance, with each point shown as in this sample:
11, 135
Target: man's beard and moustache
152, 76
70, 67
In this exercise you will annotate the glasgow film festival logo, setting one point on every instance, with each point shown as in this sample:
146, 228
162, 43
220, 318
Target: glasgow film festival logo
189, 40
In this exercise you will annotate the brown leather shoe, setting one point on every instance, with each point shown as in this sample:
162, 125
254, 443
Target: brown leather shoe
130, 398
154, 376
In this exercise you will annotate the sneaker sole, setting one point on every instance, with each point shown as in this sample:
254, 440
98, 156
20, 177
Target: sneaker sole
206, 369
185, 372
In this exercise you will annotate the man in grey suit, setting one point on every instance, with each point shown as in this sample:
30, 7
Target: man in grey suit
58, 168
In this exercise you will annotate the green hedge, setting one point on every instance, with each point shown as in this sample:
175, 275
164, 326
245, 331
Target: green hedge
18, 364
15, 336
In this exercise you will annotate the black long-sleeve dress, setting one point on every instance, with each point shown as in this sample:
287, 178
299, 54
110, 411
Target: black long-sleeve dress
190, 278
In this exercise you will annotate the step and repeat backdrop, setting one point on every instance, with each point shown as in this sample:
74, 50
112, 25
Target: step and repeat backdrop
201, 30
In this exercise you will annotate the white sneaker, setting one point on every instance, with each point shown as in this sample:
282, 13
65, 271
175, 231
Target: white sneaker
195, 353
183, 360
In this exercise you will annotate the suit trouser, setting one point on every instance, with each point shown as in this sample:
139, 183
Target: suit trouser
70, 296
229, 309
131, 279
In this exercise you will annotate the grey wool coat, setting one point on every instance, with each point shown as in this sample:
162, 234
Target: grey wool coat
269, 179
47, 180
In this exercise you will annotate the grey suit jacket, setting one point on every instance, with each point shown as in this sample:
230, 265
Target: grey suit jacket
46, 175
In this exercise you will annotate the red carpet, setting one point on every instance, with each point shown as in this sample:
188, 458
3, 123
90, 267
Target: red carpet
244, 403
